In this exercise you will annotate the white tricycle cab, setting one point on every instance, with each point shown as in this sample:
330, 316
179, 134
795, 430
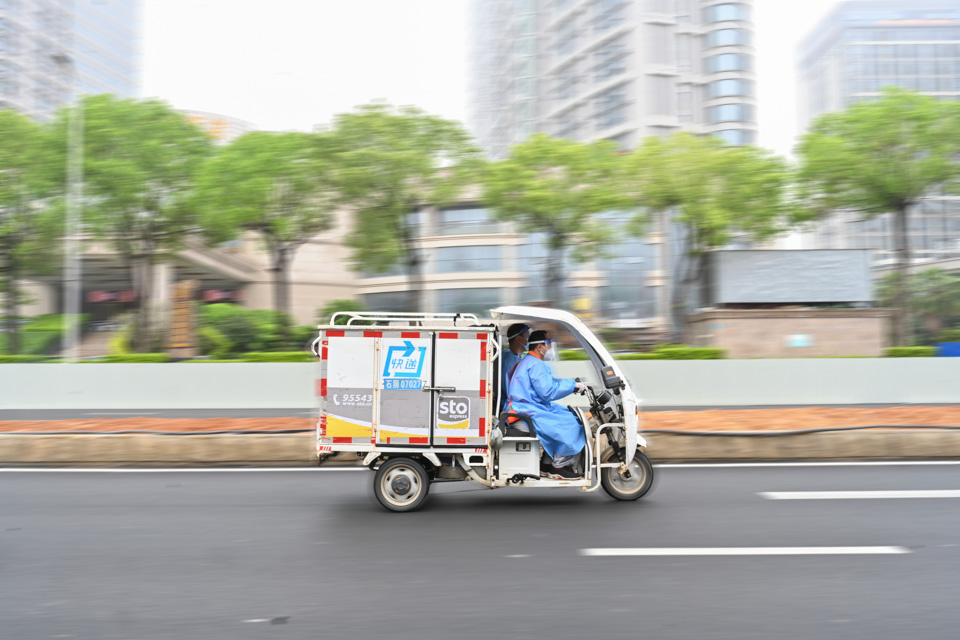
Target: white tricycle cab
417, 396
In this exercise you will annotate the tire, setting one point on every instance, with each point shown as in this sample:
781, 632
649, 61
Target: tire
640, 483
401, 484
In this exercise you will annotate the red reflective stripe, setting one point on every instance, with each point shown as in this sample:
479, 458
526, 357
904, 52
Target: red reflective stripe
409, 334
483, 351
419, 440
483, 390
483, 427
481, 336
343, 441
456, 441
323, 353
448, 336
335, 334
321, 388
373, 334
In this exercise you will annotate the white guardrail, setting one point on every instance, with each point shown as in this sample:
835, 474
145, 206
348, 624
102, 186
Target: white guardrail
689, 383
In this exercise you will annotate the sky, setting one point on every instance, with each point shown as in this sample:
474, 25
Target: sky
294, 64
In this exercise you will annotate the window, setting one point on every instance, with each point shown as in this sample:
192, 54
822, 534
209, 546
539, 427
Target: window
731, 87
392, 301
567, 83
525, 25
729, 62
729, 37
722, 12
611, 60
611, 107
527, 110
525, 46
684, 103
735, 137
730, 113
465, 221
525, 88
478, 301
526, 67
608, 14
467, 259
524, 6
9, 38
566, 38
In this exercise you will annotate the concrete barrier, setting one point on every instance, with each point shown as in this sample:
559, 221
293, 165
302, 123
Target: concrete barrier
660, 383
297, 450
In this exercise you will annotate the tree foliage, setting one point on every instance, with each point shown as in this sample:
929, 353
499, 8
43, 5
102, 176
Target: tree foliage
934, 295
717, 193
559, 188
278, 185
140, 161
389, 161
881, 157
30, 221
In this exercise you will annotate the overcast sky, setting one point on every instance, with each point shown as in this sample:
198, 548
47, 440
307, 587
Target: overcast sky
292, 64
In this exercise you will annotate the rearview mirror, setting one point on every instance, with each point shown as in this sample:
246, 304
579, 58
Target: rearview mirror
610, 379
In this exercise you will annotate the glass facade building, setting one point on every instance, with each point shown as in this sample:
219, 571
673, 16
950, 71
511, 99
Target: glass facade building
858, 49
102, 37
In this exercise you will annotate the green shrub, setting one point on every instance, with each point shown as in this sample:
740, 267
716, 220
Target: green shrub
910, 352
214, 360
637, 356
134, 358
682, 352
303, 336
949, 335
278, 356
213, 343
326, 312
22, 359
573, 354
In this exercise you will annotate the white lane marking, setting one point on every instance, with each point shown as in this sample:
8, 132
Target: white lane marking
519, 555
743, 551
858, 495
257, 620
865, 463
178, 470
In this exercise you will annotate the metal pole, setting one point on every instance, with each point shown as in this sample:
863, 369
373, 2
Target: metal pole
71, 250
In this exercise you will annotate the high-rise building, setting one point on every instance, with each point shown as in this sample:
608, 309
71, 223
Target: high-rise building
611, 69
100, 37
855, 51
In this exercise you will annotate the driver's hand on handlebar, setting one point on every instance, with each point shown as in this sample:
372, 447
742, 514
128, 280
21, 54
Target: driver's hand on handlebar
580, 388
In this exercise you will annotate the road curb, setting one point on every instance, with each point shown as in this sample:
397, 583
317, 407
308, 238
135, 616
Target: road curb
297, 450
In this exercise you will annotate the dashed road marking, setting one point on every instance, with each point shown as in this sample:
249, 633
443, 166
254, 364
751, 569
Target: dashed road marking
859, 495
743, 551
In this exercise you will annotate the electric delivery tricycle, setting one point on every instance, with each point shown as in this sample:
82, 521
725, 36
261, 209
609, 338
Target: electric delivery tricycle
417, 396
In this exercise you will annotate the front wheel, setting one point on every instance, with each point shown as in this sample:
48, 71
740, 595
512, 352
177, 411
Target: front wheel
620, 487
401, 484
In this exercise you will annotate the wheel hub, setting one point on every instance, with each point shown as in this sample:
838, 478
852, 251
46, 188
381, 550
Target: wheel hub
401, 485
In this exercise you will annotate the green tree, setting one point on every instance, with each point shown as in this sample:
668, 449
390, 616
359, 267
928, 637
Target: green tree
934, 296
716, 192
140, 161
882, 157
326, 312
29, 221
559, 188
278, 185
391, 160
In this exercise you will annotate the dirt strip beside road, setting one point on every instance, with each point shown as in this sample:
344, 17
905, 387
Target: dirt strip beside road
705, 420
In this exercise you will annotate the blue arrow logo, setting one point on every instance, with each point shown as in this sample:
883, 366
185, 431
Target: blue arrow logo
410, 347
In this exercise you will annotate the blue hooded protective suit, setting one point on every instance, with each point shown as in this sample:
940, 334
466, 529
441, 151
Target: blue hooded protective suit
533, 390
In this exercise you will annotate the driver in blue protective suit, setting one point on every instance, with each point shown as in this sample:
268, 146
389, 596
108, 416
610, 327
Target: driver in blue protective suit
510, 356
533, 390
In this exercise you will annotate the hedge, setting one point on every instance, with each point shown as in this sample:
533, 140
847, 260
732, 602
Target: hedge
278, 356
661, 352
133, 358
910, 352
22, 359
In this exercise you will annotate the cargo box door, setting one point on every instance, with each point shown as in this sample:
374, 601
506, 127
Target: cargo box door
405, 374
461, 376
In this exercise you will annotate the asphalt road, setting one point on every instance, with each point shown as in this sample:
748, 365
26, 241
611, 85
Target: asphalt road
309, 554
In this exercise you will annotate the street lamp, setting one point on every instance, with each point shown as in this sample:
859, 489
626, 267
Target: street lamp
71, 248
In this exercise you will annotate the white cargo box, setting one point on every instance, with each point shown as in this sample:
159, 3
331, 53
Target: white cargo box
403, 387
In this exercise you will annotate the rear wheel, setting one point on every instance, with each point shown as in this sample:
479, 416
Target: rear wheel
621, 487
401, 484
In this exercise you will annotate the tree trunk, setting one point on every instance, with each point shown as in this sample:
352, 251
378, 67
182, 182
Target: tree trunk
143, 327
901, 312
555, 277
281, 292
665, 296
414, 281
11, 305
695, 273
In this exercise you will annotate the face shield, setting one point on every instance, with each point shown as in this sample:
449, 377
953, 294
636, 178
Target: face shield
552, 354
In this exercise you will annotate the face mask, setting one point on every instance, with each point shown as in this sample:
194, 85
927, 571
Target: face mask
551, 354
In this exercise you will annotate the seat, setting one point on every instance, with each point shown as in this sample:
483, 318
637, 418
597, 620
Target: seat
507, 421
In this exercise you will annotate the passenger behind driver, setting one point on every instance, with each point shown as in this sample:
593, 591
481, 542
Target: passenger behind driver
516, 345
532, 391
